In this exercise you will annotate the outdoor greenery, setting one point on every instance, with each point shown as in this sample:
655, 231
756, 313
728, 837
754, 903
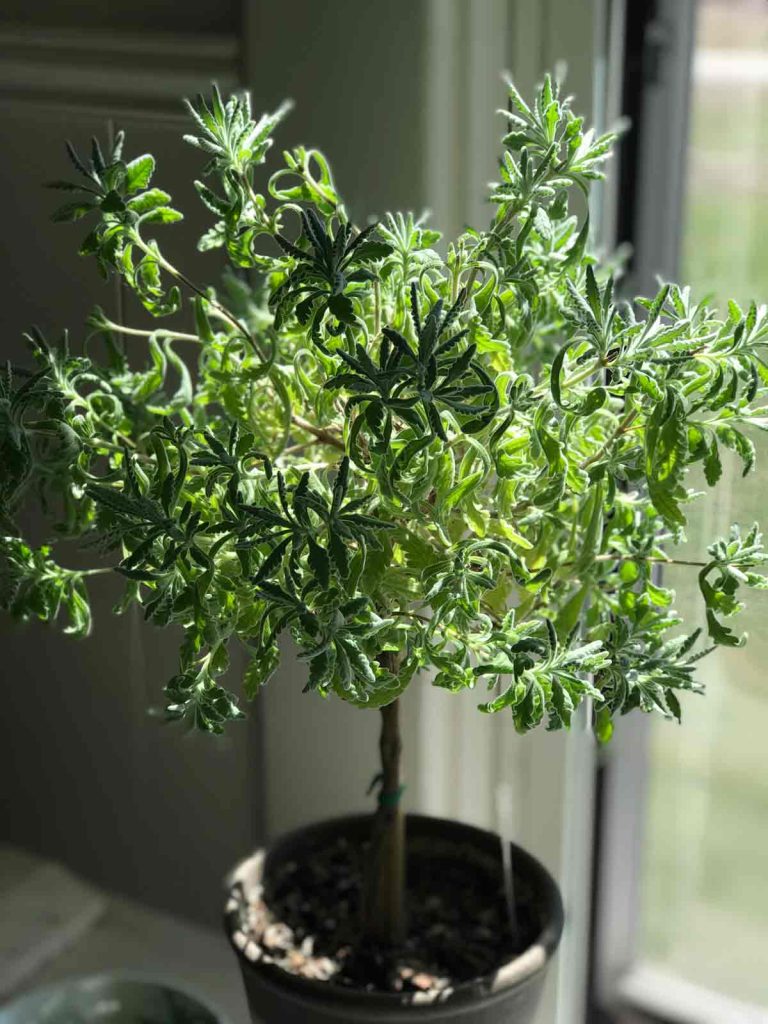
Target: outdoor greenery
469, 458
705, 782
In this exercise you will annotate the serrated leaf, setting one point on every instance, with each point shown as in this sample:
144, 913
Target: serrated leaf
138, 173
260, 669
342, 307
319, 562
713, 467
73, 211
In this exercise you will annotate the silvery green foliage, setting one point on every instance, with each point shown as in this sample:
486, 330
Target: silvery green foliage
475, 460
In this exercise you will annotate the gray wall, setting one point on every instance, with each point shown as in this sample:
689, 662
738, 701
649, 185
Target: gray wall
87, 776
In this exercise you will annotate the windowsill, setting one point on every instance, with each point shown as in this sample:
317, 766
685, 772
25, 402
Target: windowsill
665, 997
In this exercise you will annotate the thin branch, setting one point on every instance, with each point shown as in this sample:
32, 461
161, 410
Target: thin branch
174, 272
376, 308
296, 449
647, 558
80, 572
622, 428
326, 436
137, 332
110, 447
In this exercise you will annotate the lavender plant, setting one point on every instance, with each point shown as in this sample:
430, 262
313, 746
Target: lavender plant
470, 459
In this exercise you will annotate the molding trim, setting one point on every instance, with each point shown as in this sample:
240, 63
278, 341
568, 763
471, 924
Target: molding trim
102, 71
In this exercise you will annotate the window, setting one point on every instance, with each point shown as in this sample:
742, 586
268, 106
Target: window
704, 903
695, 923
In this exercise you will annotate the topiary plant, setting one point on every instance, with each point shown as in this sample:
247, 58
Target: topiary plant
468, 459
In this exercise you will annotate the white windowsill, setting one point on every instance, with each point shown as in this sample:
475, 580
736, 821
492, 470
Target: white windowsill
662, 994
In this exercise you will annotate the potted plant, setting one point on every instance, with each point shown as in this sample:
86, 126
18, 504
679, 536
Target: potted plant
468, 461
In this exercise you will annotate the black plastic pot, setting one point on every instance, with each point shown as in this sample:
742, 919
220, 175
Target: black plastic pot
509, 996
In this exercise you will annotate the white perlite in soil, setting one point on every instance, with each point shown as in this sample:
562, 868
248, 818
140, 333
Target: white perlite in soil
263, 939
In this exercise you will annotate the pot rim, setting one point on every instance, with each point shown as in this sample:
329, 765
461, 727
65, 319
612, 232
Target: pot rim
513, 974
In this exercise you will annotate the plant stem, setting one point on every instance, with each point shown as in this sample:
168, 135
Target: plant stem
138, 333
376, 308
213, 303
622, 428
326, 436
582, 375
110, 447
80, 572
647, 558
384, 897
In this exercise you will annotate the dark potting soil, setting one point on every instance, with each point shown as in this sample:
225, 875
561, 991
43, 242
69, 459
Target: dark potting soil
306, 920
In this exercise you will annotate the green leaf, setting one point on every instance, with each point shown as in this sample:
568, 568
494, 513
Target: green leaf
152, 199
319, 562
138, 173
721, 634
593, 294
374, 249
543, 224
260, 670
713, 468
739, 443
666, 451
342, 308
603, 725
465, 487
161, 215
73, 211
202, 321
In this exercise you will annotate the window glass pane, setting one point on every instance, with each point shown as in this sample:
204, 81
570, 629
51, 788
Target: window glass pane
705, 891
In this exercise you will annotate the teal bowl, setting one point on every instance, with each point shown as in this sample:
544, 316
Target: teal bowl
109, 999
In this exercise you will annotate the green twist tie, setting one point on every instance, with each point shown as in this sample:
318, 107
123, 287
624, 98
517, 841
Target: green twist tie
391, 799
